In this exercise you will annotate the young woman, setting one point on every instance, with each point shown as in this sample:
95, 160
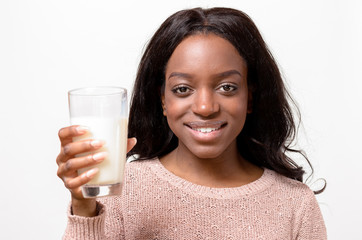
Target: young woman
213, 126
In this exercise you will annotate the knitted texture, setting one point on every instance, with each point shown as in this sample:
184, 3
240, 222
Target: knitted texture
156, 204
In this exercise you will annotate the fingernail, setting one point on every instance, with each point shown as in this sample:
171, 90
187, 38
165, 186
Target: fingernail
92, 172
99, 156
96, 143
82, 129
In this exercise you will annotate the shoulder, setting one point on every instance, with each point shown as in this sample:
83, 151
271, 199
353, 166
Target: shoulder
291, 188
298, 197
139, 170
140, 165
288, 183
307, 217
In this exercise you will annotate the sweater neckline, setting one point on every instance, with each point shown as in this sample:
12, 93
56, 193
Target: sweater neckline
262, 183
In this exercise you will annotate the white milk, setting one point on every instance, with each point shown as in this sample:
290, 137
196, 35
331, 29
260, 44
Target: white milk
113, 132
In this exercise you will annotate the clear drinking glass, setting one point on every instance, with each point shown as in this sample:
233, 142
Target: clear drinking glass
104, 111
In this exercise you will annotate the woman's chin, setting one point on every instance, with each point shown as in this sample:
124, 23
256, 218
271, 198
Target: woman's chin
207, 154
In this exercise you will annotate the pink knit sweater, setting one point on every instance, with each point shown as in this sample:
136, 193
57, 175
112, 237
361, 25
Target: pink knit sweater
156, 204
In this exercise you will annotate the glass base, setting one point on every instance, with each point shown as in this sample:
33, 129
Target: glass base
92, 191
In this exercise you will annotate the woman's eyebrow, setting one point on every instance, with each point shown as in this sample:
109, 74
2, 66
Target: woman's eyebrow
180, 75
218, 75
228, 73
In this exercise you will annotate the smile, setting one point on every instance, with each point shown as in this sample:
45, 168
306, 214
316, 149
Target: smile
205, 130
206, 127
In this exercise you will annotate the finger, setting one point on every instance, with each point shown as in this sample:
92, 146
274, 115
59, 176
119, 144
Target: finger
83, 146
74, 164
68, 151
61, 158
131, 142
72, 183
66, 134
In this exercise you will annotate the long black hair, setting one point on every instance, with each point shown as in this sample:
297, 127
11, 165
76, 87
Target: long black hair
270, 128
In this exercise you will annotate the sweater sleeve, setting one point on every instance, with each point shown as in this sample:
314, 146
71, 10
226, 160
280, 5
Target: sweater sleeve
311, 225
101, 227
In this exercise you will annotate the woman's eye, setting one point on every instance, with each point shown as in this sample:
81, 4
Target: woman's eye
227, 88
181, 90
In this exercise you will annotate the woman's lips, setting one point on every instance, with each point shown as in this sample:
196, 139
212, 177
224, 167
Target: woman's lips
206, 128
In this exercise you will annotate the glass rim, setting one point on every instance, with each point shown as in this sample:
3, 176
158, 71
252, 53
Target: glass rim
90, 91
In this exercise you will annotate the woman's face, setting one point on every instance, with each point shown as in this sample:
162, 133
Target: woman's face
206, 95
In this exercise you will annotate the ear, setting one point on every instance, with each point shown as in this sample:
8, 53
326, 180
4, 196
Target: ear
163, 104
250, 102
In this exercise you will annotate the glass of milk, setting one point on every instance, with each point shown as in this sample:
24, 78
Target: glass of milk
104, 111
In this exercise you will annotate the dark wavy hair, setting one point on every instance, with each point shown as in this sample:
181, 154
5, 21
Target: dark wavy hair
269, 130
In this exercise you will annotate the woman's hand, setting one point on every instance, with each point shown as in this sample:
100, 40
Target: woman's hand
68, 165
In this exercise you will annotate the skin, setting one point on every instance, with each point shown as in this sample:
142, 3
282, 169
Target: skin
68, 165
206, 87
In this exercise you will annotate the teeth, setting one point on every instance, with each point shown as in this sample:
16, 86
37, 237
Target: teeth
205, 130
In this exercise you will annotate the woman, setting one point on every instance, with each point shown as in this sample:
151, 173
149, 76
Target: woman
213, 125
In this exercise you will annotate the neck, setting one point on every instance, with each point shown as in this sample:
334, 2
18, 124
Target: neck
228, 169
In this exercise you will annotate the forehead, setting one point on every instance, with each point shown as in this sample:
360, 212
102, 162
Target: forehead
205, 52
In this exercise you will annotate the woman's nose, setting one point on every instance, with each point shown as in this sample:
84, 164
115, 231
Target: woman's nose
205, 103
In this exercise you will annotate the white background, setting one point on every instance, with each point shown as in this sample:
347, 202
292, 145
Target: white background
48, 47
